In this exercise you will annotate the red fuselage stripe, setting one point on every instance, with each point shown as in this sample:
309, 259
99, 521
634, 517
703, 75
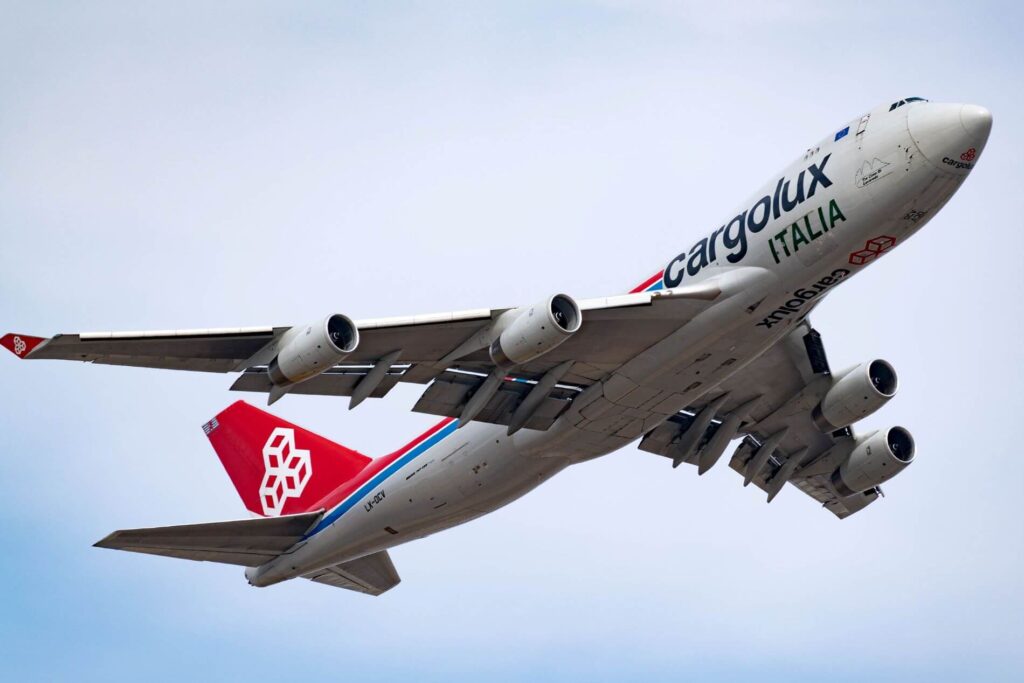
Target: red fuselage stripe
647, 283
376, 465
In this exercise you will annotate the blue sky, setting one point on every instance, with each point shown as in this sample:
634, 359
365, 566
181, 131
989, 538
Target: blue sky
199, 165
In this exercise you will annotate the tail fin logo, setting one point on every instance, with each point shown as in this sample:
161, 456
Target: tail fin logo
288, 470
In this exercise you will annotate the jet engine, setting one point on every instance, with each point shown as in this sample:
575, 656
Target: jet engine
856, 393
313, 349
535, 330
876, 458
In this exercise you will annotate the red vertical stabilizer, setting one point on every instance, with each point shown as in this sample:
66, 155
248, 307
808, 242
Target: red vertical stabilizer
277, 467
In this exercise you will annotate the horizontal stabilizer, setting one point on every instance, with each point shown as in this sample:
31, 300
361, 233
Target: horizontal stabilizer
246, 542
373, 574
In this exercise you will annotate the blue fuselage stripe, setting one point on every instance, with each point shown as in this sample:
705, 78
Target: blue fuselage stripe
381, 476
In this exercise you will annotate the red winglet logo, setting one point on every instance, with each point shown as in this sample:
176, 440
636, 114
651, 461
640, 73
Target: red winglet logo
20, 344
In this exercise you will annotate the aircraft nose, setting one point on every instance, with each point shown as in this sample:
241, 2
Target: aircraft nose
950, 136
977, 121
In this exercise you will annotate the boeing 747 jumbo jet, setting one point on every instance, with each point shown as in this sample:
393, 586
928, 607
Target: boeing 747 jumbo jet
714, 346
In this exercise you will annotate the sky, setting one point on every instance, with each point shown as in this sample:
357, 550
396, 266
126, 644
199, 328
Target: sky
181, 165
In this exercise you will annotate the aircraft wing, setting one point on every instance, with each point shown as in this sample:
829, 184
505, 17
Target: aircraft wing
784, 385
449, 351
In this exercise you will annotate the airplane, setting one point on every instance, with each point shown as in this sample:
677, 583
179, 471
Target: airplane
714, 346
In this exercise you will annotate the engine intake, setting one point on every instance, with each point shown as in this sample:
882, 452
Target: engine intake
313, 349
875, 459
535, 330
856, 393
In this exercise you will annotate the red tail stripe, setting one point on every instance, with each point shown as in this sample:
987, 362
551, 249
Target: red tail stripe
419, 439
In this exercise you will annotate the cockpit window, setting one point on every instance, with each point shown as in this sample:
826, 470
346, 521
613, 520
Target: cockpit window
906, 101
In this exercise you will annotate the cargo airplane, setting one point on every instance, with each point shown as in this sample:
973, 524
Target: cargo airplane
715, 346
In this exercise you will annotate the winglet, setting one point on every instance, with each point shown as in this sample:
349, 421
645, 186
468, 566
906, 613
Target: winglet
20, 345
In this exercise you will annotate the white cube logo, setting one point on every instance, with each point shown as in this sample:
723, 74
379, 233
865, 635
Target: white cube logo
288, 470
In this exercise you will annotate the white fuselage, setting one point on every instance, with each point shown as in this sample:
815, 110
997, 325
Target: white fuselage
845, 202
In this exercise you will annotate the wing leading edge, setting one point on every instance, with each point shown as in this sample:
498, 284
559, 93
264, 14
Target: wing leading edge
448, 351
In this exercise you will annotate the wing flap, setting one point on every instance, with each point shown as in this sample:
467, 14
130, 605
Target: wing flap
812, 476
338, 381
247, 542
448, 394
373, 574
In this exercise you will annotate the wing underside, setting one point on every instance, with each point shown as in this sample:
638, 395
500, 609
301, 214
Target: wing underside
252, 542
781, 387
448, 352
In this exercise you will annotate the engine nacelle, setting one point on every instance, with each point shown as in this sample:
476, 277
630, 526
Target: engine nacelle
875, 459
857, 393
314, 349
535, 330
